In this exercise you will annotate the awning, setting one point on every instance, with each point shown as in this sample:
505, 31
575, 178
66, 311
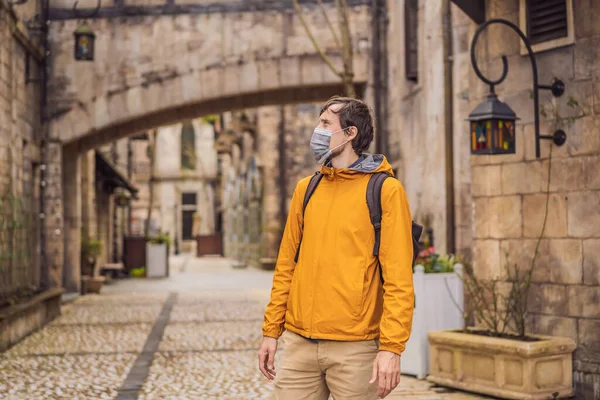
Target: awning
110, 177
475, 9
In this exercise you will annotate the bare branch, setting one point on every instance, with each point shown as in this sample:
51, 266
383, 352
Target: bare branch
314, 42
335, 36
347, 50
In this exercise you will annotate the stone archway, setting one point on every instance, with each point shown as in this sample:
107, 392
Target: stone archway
151, 70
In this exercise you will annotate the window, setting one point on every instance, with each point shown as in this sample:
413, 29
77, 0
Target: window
188, 210
547, 23
411, 45
188, 146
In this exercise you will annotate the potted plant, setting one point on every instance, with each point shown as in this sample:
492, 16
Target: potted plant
499, 357
91, 250
437, 285
157, 256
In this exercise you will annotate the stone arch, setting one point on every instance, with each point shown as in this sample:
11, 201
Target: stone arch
155, 70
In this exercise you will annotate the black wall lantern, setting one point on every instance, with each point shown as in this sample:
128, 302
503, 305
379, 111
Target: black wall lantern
84, 43
492, 127
84, 36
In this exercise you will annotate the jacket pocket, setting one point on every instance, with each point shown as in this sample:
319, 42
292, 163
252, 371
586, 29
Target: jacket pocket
361, 292
293, 308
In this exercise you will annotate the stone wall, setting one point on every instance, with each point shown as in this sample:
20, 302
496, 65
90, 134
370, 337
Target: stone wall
509, 192
418, 126
20, 131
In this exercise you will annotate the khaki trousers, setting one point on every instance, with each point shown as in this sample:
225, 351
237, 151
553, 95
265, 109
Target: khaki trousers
311, 370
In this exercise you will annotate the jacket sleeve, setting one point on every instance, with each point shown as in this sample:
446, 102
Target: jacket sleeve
274, 318
395, 255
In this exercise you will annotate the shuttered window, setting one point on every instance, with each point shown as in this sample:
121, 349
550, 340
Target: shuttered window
188, 147
411, 45
546, 20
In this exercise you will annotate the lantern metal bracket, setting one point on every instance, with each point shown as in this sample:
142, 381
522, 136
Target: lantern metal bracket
557, 87
91, 15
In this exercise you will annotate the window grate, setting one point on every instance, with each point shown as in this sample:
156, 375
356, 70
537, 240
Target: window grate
546, 20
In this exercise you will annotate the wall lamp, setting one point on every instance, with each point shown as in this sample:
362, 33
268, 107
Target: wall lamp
492, 126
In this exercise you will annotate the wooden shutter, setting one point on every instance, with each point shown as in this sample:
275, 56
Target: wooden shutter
411, 45
546, 20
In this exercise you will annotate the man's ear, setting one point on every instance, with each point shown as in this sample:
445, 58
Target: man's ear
352, 132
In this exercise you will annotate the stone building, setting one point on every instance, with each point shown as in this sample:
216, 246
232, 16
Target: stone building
31, 214
153, 70
487, 206
183, 181
263, 153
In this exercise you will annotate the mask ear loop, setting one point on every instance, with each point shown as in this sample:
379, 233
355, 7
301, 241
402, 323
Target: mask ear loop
349, 140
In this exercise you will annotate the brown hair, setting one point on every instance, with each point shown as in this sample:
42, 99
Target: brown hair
356, 113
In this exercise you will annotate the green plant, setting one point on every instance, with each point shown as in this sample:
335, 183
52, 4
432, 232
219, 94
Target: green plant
161, 238
91, 250
436, 263
138, 272
210, 119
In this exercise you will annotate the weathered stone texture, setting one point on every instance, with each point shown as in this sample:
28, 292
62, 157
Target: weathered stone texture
591, 262
486, 258
524, 178
584, 214
554, 326
486, 181
520, 253
589, 340
584, 301
504, 215
549, 299
534, 207
566, 261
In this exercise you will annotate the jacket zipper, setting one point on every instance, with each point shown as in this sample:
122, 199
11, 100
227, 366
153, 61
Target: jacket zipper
312, 317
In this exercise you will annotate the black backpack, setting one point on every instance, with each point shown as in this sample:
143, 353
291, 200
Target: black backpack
374, 204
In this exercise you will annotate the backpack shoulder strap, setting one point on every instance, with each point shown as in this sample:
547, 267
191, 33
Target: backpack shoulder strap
312, 185
375, 211
374, 202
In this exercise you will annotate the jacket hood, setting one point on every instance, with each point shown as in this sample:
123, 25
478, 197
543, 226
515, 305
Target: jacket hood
366, 164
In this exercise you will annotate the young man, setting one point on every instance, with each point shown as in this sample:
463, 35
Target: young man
344, 328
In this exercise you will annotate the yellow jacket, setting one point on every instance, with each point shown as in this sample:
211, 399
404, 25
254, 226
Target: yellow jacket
334, 291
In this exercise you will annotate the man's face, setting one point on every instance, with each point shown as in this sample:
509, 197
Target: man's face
331, 121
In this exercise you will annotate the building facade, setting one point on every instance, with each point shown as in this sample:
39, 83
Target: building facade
486, 207
183, 176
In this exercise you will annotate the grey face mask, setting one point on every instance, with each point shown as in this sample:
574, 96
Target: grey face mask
319, 144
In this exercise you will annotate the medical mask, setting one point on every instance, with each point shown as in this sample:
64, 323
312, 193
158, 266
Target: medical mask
319, 144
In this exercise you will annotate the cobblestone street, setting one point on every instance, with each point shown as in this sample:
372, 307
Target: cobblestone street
192, 336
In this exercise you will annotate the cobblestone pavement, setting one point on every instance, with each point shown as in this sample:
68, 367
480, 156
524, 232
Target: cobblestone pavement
206, 348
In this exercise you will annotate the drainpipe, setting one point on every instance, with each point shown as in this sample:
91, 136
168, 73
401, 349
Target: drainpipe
44, 273
448, 125
376, 56
379, 22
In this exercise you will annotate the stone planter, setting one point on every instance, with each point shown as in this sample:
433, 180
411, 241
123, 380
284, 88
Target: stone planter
92, 284
505, 368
